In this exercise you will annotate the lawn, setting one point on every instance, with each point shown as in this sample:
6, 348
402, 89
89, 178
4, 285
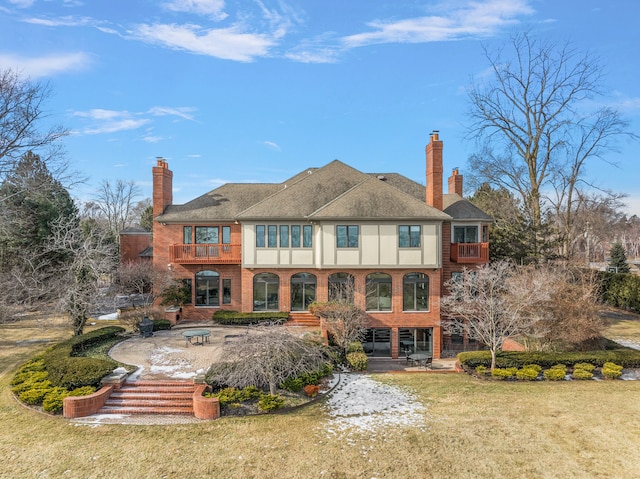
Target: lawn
471, 429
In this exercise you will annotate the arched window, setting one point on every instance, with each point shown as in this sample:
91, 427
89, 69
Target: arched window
207, 288
303, 291
266, 288
378, 292
341, 287
415, 292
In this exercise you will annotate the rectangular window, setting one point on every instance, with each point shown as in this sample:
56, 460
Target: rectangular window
272, 236
259, 236
187, 235
226, 291
465, 234
226, 235
347, 236
284, 236
295, 236
307, 233
207, 235
409, 236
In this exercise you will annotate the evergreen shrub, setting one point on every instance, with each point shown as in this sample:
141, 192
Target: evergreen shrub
527, 374
270, 402
234, 317
500, 374
611, 371
358, 361
581, 374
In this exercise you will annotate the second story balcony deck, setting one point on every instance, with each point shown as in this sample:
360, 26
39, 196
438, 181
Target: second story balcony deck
205, 253
470, 252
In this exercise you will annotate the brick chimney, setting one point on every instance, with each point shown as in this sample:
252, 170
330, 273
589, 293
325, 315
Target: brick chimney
434, 171
455, 182
162, 187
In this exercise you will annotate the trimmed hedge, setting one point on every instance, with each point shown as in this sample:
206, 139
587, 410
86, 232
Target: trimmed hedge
236, 318
69, 370
628, 358
161, 324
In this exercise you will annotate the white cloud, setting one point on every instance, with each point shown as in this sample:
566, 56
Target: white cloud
152, 139
46, 65
225, 43
22, 3
471, 19
182, 112
110, 121
272, 145
68, 21
210, 8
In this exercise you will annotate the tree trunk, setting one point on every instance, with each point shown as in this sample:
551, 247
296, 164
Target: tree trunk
493, 358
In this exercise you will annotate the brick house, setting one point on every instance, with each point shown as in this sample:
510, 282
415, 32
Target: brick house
382, 239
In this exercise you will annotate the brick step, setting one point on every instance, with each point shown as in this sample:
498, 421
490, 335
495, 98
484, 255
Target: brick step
185, 411
128, 402
160, 390
303, 319
151, 397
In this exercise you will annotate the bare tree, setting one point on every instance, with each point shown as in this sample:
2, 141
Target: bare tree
21, 114
492, 303
345, 321
571, 318
88, 258
116, 202
266, 357
532, 114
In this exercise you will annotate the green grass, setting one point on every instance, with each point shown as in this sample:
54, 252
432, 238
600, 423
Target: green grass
472, 429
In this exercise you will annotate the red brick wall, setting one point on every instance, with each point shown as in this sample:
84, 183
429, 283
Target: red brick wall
434, 172
131, 245
82, 406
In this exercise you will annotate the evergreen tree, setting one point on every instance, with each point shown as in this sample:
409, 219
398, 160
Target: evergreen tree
618, 259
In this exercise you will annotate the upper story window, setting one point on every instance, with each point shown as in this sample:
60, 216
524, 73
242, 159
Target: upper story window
409, 236
465, 234
283, 236
347, 236
260, 229
207, 235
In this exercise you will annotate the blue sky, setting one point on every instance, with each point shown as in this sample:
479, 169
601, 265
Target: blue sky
257, 90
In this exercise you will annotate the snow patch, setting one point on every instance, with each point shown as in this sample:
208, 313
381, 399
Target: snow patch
360, 404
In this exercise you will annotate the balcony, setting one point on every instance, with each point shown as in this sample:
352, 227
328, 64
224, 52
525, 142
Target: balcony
205, 254
470, 252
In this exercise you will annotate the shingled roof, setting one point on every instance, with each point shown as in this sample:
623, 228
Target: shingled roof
460, 209
222, 204
335, 190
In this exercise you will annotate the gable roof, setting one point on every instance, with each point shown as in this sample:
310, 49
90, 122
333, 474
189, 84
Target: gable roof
308, 194
373, 198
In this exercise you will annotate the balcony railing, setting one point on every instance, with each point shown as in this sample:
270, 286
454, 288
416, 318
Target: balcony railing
470, 252
205, 253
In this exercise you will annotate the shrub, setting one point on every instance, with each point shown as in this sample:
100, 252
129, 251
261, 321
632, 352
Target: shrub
35, 394
628, 358
270, 402
537, 367
54, 399
355, 347
234, 317
555, 373
292, 384
527, 374
71, 373
584, 366
481, 370
358, 361
230, 396
611, 371
311, 390
161, 324
581, 374
500, 374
